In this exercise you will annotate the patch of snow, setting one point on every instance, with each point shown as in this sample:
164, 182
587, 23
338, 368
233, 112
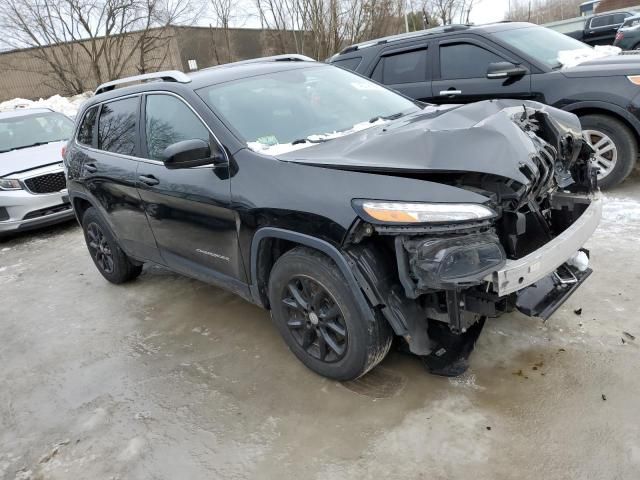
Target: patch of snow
66, 105
619, 217
572, 58
280, 148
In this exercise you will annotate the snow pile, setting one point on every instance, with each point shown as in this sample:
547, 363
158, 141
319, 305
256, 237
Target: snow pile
571, 58
67, 105
620, 218
269, 146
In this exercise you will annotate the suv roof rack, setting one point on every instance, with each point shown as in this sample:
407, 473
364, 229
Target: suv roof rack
166, 76
285, 57
405, 36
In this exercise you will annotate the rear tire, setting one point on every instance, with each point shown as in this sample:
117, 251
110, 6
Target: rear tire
602, 132
108, 257
319, 319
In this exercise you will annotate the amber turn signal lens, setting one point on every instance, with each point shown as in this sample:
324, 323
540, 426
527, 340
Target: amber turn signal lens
635, 79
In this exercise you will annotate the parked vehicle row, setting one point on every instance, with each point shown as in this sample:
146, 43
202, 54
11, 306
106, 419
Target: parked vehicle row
462, 64
353, 213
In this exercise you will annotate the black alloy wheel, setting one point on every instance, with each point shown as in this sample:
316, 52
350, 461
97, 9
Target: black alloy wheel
108, 257
315, 320
318, 316
99, 248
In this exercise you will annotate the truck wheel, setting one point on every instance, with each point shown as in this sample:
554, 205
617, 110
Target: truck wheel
615, 148
108, 257
318, 318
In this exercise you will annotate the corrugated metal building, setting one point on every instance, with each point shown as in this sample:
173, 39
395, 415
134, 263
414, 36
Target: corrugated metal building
23, 73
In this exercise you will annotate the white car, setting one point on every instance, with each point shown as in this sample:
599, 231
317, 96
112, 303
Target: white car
32, 180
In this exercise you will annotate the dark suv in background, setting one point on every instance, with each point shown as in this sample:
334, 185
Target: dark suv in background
463, 63
351, 212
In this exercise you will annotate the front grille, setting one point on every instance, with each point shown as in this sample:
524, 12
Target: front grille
47, 211
49, 183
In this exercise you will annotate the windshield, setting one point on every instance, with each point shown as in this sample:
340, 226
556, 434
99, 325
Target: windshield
543, 44
25, 131
287, 110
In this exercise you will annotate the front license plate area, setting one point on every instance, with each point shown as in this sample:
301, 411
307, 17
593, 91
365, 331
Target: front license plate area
544, 297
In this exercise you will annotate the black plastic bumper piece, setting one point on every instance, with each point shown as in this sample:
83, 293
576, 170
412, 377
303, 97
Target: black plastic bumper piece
548, 294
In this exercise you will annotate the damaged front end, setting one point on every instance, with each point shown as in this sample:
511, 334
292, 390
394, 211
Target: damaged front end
447, 277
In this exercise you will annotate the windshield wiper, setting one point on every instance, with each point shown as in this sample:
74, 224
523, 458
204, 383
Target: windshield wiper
393, 116
37, 144
306, 140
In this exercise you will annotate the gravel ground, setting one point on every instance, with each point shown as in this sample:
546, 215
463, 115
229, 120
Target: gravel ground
170, 378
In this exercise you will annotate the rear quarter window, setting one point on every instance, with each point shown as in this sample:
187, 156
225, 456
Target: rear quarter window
87, 126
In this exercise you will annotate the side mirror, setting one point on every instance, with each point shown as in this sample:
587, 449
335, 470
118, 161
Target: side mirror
505, 70
190, 153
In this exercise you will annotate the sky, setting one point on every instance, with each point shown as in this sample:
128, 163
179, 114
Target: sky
486, 11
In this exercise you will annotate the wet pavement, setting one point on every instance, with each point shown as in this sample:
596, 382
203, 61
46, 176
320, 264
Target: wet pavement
170, 378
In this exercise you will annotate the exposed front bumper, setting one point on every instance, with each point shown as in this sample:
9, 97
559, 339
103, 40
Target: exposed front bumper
520, 273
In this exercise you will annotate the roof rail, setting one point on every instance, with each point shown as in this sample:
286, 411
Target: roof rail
405, 36
166, 76
286, 57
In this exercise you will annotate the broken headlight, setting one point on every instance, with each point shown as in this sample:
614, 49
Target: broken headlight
445, 261
412, 212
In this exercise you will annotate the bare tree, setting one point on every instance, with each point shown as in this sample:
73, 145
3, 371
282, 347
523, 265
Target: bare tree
543, 11
319, 28
223, 12
82, 43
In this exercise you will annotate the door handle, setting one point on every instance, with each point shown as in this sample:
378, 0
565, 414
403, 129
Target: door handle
445, 93
90, 167
148, 179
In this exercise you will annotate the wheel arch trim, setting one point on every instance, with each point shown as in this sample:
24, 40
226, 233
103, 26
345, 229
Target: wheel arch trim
312, 242
607, 108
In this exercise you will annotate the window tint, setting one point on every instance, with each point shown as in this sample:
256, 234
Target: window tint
348, 63
85, 133
117, 126
601, 21
464, 60
169, 120
405, 67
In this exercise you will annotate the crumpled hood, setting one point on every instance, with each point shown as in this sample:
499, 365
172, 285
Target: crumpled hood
24, 159
479, 137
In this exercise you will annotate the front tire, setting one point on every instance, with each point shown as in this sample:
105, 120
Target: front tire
320, 321
108, 257
615, 146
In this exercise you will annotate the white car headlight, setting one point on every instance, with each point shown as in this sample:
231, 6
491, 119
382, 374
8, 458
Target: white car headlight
410, 212
9, 184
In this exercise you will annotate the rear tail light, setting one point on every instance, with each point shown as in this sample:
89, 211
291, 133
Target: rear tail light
619, 36
63, 151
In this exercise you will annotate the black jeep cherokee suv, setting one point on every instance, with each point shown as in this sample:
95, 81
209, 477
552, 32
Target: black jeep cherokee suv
350, 212
464, 63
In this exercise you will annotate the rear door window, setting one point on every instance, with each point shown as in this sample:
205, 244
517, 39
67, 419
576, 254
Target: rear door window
348, 63
118, 126
465, 60
404, 67
87, 127
601, 21
169, 120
